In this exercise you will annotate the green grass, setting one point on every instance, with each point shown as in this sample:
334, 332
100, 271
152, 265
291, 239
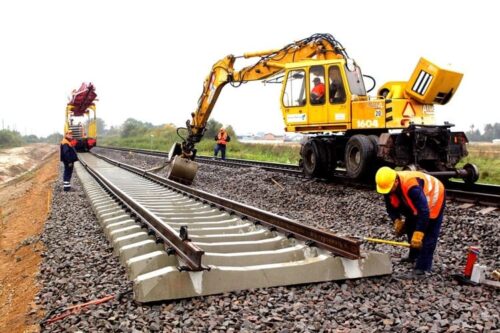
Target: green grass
161, 140
279, 153
486, 156
489, 168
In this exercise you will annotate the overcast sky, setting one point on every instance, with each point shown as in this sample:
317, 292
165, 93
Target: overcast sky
148, 59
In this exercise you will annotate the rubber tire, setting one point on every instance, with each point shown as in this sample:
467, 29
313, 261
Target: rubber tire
374, 140
328, 158
376, 162
311, 160
359, 156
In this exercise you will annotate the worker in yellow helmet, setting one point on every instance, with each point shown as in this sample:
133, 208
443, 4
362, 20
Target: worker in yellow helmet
420, 198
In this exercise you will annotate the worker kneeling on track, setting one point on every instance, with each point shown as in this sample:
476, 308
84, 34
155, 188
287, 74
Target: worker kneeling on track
418, 197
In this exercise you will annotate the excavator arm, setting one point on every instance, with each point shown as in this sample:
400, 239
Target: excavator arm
271, 62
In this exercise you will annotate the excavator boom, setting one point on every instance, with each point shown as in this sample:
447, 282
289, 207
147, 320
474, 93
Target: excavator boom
271, 62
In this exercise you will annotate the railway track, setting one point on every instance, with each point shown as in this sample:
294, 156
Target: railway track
470, 194
178, 242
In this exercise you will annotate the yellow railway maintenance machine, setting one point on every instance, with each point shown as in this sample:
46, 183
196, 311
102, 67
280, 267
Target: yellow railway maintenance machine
345, 126
80, 117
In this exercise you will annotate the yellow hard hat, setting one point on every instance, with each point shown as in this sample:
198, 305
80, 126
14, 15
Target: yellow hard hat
385, 179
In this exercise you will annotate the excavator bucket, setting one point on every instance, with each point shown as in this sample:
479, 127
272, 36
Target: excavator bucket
430, 84
182, 170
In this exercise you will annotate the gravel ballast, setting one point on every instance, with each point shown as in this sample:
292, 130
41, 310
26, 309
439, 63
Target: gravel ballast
78, 266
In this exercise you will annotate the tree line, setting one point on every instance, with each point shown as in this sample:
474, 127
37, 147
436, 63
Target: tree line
11, 138
136, 128
129, 129
490, 133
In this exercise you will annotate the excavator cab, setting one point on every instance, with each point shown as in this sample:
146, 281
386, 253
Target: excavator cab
316, 95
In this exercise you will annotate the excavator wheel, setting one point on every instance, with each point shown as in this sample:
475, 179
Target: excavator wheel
472, 173
311, 159
359, 156
376, 163
330, 160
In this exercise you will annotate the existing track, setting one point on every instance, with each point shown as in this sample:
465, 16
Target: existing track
478, 194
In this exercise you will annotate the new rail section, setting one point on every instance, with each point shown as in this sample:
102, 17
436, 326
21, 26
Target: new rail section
179, 242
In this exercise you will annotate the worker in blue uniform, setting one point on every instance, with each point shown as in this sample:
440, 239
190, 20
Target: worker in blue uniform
420, 198
68, 157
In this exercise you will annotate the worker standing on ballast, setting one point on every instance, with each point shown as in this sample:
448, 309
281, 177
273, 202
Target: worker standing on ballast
68, 157
222, 139
420, 198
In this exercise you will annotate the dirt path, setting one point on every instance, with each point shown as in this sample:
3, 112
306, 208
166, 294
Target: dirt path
24, 205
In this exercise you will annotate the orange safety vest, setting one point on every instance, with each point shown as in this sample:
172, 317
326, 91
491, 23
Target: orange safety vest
319, 90
71, 143
221, 138
433, 191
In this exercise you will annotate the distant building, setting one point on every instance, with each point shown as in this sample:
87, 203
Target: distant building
293, 137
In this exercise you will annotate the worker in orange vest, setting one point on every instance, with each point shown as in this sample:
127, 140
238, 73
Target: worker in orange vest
222, 139
420, 198
318, 92
68, 156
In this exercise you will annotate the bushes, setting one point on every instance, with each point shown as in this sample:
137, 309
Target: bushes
10, 138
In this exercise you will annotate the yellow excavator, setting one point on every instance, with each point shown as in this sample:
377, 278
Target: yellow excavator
344, 126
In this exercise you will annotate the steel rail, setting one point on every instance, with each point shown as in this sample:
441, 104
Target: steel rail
185, 249
480, 194
338, 245
484, 194
230, 162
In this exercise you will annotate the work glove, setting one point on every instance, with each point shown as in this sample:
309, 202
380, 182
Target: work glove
416, 240
399, 226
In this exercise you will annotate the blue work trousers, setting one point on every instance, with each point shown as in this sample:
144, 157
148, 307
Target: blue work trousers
68, 171
222, 149
424, 256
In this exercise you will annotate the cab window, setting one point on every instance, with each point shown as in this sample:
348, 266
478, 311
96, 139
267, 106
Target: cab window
317, 84
336, 91
294, 94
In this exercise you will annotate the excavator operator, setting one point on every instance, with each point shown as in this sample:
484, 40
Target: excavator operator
318, 92
420, 198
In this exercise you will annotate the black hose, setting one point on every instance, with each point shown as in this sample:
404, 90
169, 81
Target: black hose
177, 132
373, 80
